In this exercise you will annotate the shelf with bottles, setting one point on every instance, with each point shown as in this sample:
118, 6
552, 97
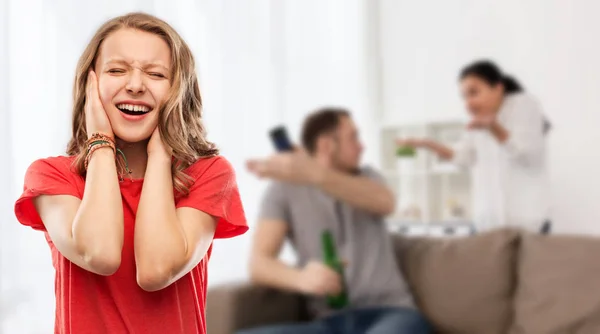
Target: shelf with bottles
407, 168
427, 188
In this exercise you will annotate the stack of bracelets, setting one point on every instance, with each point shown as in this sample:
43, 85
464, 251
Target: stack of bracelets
99, 140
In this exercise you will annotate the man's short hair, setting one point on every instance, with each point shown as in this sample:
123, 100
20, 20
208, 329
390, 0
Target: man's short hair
320, 122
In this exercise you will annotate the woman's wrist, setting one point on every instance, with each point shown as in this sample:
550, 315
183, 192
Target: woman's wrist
105, 152
159, 158
499, 132
98, 141
101, 133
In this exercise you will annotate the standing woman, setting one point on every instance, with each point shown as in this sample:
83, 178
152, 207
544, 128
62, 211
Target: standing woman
504, 146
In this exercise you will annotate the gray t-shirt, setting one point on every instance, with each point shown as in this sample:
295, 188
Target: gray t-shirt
372, 275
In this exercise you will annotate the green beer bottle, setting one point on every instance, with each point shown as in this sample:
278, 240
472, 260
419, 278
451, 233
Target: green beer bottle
331, 259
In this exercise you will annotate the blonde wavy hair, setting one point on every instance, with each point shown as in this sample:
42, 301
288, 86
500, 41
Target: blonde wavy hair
180, 117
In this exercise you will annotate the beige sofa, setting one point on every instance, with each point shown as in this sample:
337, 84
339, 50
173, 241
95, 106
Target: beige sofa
495, 283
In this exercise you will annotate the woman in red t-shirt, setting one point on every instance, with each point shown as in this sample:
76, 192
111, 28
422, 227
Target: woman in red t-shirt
131, 212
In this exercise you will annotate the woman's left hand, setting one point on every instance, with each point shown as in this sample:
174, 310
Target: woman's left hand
157, 147
482, 122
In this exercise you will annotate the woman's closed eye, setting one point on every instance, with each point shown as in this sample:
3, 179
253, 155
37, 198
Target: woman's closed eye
116, 71
157, 75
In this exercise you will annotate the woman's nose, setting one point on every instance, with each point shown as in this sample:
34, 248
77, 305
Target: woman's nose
135, 84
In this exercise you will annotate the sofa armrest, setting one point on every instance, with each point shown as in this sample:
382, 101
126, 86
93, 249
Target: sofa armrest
233, 307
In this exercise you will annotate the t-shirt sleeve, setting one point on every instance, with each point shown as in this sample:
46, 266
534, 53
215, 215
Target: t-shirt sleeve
216, 193
43, 177
274, 204
374, 175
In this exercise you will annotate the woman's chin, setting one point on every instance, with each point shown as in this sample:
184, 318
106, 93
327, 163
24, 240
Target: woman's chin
133, 133
132, 138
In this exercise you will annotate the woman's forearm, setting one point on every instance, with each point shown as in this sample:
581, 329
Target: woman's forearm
98, 225
443, 151
499, 132
160, 245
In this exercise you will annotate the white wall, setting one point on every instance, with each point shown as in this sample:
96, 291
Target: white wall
328, 60
548, 45
6, 214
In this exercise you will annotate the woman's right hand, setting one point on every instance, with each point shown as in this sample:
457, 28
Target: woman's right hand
96, 119
410, 142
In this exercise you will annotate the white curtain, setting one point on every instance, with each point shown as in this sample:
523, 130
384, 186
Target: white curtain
261, 63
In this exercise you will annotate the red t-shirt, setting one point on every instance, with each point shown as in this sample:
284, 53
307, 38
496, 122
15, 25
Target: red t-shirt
90, 303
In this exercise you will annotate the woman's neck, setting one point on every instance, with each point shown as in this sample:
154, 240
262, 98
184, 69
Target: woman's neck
499, 104
136, 155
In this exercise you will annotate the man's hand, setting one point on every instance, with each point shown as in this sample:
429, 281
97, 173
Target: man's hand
295, 167
317, 279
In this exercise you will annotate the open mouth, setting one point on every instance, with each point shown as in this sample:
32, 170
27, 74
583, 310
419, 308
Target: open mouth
133, 109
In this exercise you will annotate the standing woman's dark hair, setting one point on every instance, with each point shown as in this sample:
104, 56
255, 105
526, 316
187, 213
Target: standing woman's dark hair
491, 73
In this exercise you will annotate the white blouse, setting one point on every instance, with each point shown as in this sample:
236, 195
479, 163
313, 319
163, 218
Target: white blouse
509, 180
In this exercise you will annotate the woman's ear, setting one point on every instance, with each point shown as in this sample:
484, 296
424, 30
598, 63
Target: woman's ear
498, 90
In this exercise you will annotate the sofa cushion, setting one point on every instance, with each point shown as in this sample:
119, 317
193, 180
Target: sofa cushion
232, 307
464, 285
558, 285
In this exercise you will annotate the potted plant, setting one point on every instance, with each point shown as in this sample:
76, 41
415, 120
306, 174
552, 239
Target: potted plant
406, 159
405, 151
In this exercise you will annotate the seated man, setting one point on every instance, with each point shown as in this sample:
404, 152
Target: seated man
326, 190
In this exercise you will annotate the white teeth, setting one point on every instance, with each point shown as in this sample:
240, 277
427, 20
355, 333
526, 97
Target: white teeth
133, 107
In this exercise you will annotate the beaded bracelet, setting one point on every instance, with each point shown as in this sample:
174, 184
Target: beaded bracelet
97, 141
99, 137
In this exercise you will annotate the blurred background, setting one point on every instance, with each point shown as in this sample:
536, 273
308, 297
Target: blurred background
393, 63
